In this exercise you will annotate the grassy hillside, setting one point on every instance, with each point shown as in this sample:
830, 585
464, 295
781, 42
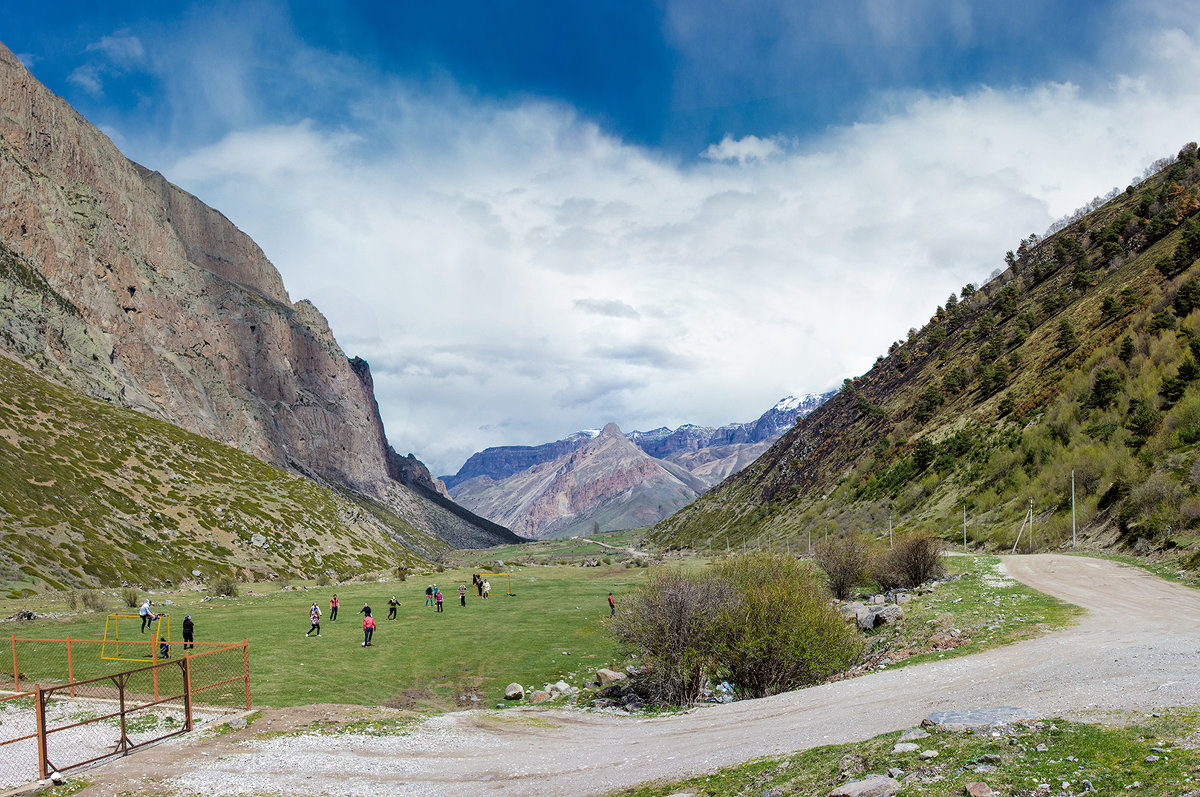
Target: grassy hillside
1081, 356
92, 494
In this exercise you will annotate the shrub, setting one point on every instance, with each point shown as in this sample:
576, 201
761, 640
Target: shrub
401, 572
780, 632
226, 587
672, 624
130, 597
914, 559
844, 560
762, 620
93, 600
72, 598
323, 580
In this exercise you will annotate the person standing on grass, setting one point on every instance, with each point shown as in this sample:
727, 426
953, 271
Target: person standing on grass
462, 594
333, 606
487, 588
146, 615
188, 628
438, 597
368, 628
392, 604
314, 617
429, 595
612, 605
477, 580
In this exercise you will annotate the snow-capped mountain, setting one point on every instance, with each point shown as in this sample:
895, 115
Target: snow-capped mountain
501, 483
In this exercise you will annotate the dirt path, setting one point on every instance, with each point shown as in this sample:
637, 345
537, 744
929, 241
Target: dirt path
1137, 648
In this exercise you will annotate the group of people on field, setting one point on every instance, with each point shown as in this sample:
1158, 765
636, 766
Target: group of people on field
148, 616
433, 597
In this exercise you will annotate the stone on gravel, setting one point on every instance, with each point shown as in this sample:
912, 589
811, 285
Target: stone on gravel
606, 677
870, 786
237, 723
979, 790
968, 719
562, 688
514, 692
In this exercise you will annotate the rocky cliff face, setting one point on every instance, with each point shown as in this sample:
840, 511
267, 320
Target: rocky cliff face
126, 287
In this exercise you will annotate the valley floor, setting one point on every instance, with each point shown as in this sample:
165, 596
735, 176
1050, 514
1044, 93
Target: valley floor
1135, 649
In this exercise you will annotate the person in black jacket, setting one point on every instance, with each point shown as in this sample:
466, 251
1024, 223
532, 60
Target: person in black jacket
188, 628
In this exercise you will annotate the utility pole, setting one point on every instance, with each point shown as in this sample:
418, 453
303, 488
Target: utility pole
1072, 507
890, 529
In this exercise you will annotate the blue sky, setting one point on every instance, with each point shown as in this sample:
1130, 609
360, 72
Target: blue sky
535, 217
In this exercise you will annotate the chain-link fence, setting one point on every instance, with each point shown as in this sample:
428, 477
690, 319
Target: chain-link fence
66, 721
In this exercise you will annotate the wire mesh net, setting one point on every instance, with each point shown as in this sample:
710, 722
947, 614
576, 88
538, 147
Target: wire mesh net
93, 708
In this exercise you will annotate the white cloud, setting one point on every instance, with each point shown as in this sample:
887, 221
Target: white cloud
87, 77
121, 47
513, 274
746, 148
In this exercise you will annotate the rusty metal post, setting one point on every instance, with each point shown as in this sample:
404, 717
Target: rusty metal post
16, 675
246, 668
154, 662
187, 692
40, 712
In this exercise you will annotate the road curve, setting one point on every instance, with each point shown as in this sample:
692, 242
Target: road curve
1136, 648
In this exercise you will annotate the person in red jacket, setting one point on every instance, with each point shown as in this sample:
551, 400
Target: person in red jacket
368, 630
333, 607
612, 605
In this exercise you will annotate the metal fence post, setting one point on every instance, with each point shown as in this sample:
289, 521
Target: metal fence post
246, 668
40, 712
16, 675
70, 667
187, 691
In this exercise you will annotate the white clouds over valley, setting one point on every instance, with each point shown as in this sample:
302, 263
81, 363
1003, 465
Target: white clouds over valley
513, 273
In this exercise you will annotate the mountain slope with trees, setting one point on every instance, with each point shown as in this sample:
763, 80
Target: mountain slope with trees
1080, 356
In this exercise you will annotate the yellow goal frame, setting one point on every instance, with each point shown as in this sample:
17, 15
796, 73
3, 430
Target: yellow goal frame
110, 649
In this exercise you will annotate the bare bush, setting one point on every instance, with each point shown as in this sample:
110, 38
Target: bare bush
914, 559
93, 600
672, 623
130, 597
72, 598
844, 558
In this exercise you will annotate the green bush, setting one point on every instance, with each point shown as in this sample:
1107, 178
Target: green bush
844, 558
760, 620
324, 580
130, 597
780, 632
93, 600
226, 587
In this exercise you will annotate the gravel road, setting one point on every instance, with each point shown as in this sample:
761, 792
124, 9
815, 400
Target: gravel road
1138, 647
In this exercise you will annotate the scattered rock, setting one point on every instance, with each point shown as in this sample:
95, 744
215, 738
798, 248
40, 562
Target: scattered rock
514, 692
1041, 748
928, 754
539, 696
606, 677
991, 758
914, 733
978, 790
1150, 759
560, 688
237, 723
895, 772
906, 747
870, 786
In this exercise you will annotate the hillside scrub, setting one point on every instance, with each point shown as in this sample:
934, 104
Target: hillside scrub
761, 620
845, 559
1098, 327
913, 559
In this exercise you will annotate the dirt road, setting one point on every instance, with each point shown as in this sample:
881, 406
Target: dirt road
1137, 648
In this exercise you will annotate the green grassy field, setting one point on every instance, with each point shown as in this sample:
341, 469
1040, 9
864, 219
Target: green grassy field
551, 628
